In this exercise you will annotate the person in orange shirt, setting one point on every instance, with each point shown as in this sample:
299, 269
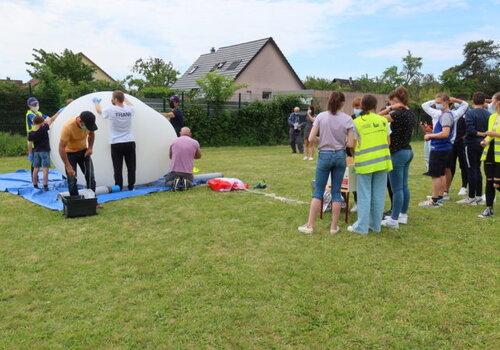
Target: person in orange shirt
75, 148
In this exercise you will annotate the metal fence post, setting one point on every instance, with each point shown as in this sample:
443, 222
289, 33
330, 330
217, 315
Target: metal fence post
164, 104
182, 99
239, 101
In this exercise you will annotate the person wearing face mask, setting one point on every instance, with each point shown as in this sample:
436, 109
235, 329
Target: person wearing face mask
491, 157
75, 148
356, 108
121, 138
309, 146
296, 122
441, 148
31, 114
460, 107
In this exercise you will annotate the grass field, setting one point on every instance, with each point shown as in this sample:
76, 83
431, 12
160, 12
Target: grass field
200, 269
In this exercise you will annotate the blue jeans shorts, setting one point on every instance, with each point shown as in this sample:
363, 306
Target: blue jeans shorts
330, 163
41, 159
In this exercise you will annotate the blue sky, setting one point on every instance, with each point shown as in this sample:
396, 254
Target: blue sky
337, 38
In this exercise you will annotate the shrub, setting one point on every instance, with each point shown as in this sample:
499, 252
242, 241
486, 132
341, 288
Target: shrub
12, 144
258, 123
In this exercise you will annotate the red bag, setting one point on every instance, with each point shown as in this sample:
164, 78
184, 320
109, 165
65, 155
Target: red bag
224, 184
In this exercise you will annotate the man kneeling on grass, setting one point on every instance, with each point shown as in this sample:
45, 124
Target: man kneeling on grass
183, 151
441, 148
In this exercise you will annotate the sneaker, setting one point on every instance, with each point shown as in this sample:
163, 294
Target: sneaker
332, 232
311, 158
467, 201
481, 200
403, 219
488, 212
446, 196
350, 228
390, 223
45, 188
462, 192
305, 158
429, 204
354, 209
305, 229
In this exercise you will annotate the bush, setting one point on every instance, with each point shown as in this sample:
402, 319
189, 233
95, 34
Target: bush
258, 123
12, 144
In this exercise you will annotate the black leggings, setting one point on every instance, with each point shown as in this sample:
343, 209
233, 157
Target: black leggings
492, 172
119, 152
473, 154
459, 153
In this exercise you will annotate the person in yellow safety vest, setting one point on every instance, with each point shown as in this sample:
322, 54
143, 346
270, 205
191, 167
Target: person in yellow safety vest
372, 162
32, 112
491, 157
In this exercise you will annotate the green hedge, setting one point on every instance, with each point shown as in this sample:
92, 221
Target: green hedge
12, 145
258, 123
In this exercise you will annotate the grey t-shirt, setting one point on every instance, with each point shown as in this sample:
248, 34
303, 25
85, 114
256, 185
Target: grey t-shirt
333, 129
447, 120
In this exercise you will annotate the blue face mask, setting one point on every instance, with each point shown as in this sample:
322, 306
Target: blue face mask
357, 111
439, 106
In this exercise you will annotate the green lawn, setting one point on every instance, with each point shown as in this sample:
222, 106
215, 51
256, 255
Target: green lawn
200, 269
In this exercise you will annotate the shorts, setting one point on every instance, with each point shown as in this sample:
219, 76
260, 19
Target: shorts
41, 159
439, 161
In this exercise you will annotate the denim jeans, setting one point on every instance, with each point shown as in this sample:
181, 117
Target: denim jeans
330, 163
399, 181
371, 200
427, 152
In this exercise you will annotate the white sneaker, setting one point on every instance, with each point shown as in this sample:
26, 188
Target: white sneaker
481, 200
305, 229
446, 196
305, 158
311, 158
467, 201
354, 209
403, 219
332, 232
390, 223
462, 192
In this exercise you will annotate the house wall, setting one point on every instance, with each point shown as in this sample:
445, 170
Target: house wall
321, 98
98, 72
267, 72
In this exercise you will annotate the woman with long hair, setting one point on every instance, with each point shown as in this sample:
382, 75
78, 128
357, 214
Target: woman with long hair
335, 130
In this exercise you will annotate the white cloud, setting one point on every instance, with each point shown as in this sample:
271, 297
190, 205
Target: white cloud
442, 49
113, 33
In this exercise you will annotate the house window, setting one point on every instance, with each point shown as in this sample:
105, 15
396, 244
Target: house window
218, 66
233, 65
192, 70
266, 95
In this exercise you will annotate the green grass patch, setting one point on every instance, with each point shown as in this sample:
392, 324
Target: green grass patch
199, 269
12, 144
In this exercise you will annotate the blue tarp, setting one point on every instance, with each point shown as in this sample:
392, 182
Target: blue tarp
19, 183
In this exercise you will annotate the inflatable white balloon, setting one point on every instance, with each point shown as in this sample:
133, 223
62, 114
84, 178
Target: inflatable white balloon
153, 135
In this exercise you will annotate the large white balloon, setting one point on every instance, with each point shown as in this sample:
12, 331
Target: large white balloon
153, 136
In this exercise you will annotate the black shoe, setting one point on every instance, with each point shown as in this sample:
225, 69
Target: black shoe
36, 186
45, 188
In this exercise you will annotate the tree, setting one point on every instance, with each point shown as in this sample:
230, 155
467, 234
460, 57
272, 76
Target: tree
316, 83
66, 66
480, 70
217, 88
411, 69
153, 72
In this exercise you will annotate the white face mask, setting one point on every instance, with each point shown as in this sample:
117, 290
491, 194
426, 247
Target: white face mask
439, 106
491, 108
357, 111
35, 108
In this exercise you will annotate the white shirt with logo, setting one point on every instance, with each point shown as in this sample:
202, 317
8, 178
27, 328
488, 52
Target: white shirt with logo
119, 123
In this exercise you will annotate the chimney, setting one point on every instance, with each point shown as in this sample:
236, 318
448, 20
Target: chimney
212, 50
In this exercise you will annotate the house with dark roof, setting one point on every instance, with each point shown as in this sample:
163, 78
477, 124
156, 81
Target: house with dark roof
99, 73
259, 64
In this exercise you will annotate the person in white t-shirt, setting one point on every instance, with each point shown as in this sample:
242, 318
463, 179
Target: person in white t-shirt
121, 138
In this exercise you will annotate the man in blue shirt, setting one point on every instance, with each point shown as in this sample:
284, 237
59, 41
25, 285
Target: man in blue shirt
176, 116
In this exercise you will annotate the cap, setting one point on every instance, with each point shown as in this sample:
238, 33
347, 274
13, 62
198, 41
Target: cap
32, 101
174, 99
88, 118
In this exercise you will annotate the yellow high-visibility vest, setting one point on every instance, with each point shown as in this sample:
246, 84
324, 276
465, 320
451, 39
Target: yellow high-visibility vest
493, 125
372, 150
